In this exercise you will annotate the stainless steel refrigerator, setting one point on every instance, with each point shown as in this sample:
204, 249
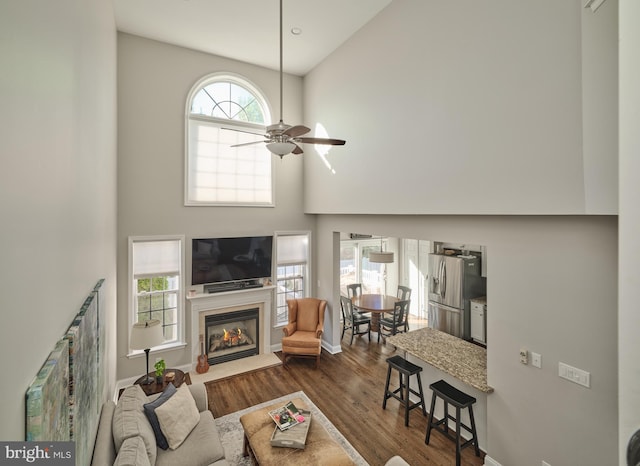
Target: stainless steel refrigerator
453, 281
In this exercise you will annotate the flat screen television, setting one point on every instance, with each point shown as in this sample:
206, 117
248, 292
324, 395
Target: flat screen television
217, 260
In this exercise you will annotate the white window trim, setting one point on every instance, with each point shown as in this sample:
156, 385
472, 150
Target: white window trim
307, 278
131, 318
244, 82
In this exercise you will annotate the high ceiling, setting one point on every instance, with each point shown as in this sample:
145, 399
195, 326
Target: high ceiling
248, 30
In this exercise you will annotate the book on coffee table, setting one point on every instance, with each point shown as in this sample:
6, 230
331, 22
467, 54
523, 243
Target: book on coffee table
294, 437
286, 416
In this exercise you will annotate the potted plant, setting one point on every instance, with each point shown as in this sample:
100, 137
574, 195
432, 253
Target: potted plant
160, 366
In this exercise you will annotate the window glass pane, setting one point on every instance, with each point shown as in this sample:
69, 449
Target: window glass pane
170, 316
290, 285
229, 101
144, 303
170, 332
348, 267
372, 273
144, 285
157, 302
356, 268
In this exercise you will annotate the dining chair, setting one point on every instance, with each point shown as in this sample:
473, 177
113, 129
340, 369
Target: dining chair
354, 290
351, 319
404, 293
396, 321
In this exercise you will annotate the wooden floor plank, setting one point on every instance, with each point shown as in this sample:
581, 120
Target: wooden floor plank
348, 388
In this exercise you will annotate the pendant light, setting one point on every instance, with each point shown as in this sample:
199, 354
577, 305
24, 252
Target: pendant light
381, 257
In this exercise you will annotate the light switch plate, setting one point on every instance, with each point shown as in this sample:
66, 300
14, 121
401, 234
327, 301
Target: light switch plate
536, 360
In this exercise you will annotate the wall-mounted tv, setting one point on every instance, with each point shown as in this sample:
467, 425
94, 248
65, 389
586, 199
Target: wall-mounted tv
216, 260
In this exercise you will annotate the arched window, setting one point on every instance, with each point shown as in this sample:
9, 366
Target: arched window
224, 110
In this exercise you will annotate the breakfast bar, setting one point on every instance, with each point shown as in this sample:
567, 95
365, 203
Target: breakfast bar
458, 362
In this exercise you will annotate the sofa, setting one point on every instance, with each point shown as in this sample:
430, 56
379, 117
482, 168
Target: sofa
126, 435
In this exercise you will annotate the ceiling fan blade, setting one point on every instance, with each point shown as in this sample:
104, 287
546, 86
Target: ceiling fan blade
248, 132
332, 142
297, 150
295, 131
248, 143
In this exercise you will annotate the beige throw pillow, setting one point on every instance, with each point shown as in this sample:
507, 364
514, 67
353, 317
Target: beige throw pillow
178, 416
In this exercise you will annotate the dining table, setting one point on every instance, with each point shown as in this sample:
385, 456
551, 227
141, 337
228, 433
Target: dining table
376, 304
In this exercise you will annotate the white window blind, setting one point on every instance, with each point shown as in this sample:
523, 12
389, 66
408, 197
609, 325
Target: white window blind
219, 173
156, 258
293, 249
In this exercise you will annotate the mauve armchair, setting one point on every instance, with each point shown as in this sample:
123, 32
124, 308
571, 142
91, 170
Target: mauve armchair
303, 333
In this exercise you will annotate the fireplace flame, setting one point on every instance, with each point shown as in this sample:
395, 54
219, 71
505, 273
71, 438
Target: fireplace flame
232, 337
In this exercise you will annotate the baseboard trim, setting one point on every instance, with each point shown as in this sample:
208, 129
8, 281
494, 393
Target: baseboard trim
488, 461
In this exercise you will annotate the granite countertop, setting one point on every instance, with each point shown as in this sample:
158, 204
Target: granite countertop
459, 358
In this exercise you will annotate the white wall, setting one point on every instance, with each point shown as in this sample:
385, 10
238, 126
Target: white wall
484, 98
491, 108
600, 107
551, 288
153, 82
629, 317
57, 183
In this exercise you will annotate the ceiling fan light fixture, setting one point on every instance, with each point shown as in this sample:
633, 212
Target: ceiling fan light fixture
281, 148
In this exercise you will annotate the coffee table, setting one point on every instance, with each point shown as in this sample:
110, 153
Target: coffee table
320, 448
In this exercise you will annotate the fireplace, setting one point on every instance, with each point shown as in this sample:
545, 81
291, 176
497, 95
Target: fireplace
232, 335
206, 304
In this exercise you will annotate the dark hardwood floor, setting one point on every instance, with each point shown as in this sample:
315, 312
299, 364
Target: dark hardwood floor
348, 388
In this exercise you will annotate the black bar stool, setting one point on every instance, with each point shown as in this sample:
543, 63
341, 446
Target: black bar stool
452, 396
405, 371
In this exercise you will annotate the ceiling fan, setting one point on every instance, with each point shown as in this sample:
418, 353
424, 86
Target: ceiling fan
282, 139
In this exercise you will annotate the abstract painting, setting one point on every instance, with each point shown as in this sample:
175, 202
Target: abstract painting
83, 369
64, 401
47, 401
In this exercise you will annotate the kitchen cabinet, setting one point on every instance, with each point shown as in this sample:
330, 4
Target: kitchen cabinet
479, 320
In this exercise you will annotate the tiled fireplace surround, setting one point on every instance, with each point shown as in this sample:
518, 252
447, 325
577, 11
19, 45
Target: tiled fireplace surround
203, 304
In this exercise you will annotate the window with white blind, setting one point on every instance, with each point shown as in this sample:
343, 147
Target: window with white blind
156, 266
222, 111
292, 272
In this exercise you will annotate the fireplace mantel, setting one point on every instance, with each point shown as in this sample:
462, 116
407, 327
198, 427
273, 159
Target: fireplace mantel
212, 303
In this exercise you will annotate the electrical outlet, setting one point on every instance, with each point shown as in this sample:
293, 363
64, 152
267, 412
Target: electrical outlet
536, 360
524, 356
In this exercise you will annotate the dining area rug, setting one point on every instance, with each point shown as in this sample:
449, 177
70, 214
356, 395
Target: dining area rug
232, 435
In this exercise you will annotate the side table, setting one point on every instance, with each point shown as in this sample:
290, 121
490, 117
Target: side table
153, 388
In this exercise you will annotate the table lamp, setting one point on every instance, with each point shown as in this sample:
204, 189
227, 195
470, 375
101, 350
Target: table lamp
144, 336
